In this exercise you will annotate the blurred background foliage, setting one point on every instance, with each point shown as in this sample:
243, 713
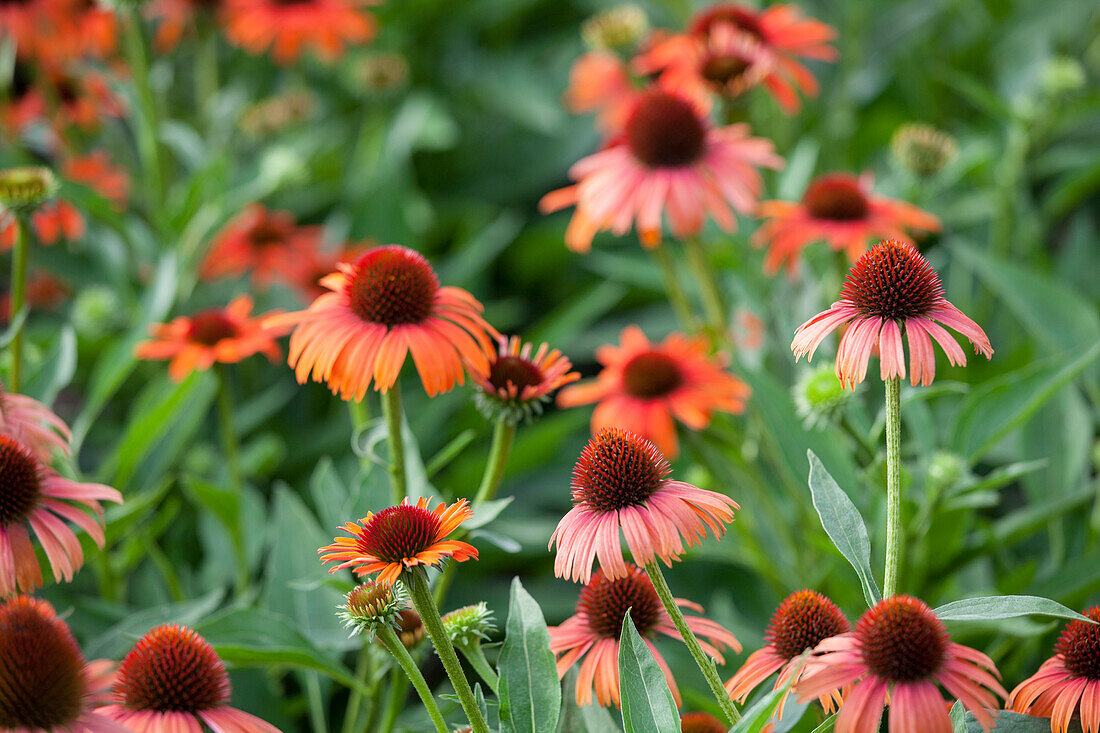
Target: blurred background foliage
441, 135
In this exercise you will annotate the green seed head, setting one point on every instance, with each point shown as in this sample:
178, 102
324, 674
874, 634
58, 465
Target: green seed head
922, 149
617, 28
372, 605
26, 188
945, 470
469, 623
818, 395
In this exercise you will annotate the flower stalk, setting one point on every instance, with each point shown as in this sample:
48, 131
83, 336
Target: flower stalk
504, 434
475, 655
393, 645
417, 584
705, 663
893, 486
713, 309
391, 412
231, 446
18, 294
674, 290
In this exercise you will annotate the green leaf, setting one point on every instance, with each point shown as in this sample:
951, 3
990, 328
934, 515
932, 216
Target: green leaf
487, 512
844, 525
530, 694
998, 407
117, 641
56, 370
1008, 722
647, 702
958, 718
995, 607
578, 719
826, 725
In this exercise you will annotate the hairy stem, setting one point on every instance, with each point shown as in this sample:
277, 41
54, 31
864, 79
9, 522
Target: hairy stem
391, 411
504, 433
394, 646
18, 295
893, 486
475, 655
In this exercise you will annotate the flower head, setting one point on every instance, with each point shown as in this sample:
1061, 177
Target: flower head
33, 494
840, 209
25, 189
174, 680
45, 684
593, 632
819, 395
469, 624
97, 172
371, 605
701, 723
516, 383
266, 244
801, 622
891, 289
621, 483
897, 655
287, 27
1068, 682
400, 537
922, 149
383, 307
615, 28
668, 160
226, 335
34, 425
729, 48
410, 628
644, 386
600, 82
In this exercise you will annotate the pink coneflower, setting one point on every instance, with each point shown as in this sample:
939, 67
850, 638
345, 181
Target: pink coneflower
645, 387
897, 655
34, 425
841, 210
621, 482
173, 680
45, 684
891, 290
1069, 682
380, 309
593, 632
669, 159
31, 493
801, 622
516, 382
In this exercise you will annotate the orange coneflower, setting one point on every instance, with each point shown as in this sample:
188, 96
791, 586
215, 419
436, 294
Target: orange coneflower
621, 485
176, 17
400, 537
80, 28
840, 209
1069, 682
289, 26
34, 425
516, 382
173, 680
44, 291
378, 310
592, 633
97, 172
731, 47
197, 342
33, 494
701, 723
22, 22
45, 684
52, 221
68, 100
267, 244
308, 280
891, 290
600, 82
898, 656
802, 621
668, 160
643, 386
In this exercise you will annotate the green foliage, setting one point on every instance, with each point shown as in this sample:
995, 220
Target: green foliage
643, 690
530, 695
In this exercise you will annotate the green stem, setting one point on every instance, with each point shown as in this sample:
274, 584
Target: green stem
206, 67
674, 291
18, 295
316, 702
417, 583
504, 433
231, 446
705, 663
893, 486
360, 416
399, 688
475, 655
146, 130
394, 646
355, 695
391, 411
713, 308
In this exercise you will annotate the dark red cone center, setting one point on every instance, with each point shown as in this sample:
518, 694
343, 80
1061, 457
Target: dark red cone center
1079, 646
740, 16
802, 621
605, 603
20, 481
393, 286
892, 280
515, 370
836, 197
399, 532
618, 469
651, 374
210, 327
901, 640
172, 669
665, 131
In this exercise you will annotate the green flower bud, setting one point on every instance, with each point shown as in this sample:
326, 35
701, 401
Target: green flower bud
922, 149
945, 469
1062, 75
371, 605
616, 28
96, 311
818, 395
469, 624
24, 189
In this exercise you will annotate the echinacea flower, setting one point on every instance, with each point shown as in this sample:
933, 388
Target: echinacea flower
1068, 683
516, 383
174, 18
34, 494
896, 656
922, 149
96, 171
267, 244
643, 386
60, 97
621, 483
592, 633
79, 29
45, 684
730, 47
891, 290
371, 605
600, 82
399, 538
668, 160
43, 292
701, 723
287, 27
618, 27
839, 209
800, 623
380, 309
217, 335
410, 628
173, 680
469, 624
34, 425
